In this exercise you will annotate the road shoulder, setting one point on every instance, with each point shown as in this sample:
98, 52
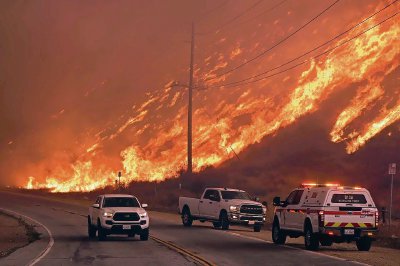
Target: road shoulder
37, 240
15, 234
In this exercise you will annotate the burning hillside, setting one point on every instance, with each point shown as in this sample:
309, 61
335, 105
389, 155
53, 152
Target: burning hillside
252, 85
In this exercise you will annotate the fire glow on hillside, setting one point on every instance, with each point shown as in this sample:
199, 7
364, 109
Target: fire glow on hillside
227, 120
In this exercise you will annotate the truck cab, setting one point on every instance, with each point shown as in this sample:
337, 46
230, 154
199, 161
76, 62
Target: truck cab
326, 214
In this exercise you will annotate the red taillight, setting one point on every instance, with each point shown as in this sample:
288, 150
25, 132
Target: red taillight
376, 218
321, 218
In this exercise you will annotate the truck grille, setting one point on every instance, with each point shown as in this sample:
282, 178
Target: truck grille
251, 218
126, 216
251, 209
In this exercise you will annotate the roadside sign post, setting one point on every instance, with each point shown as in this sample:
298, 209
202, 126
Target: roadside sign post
392, 172
119, 181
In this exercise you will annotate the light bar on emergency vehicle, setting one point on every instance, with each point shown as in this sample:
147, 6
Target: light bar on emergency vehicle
319, 185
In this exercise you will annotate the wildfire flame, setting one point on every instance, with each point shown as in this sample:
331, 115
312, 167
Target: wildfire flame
226, 121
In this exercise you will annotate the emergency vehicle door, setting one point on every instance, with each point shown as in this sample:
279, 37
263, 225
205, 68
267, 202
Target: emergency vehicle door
294, 214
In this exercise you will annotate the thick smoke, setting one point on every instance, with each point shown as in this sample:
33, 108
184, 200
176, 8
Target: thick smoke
84, 82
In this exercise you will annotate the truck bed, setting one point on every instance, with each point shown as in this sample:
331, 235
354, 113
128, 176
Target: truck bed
192, 203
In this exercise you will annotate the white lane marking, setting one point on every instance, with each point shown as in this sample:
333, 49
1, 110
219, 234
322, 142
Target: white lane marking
290, 247
49, 245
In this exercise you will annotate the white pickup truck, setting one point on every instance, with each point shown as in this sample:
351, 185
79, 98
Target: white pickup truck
118, 214
222, 207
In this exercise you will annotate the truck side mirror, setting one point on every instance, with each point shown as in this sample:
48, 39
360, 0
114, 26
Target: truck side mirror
264, 203
96, 205
144, 205
277, 201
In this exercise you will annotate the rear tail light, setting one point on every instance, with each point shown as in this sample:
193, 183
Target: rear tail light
321, 218
376, 218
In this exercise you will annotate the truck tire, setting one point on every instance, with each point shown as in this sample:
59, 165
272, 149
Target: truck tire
311, 240
144, 235
101, 234
216, 225
223, 219
187, 219
257, 228
364, 243
278, 236
91, 229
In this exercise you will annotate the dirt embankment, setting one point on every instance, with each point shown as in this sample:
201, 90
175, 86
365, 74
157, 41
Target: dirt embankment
15, 234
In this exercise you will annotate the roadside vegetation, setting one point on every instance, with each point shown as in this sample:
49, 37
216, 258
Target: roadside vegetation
389, 237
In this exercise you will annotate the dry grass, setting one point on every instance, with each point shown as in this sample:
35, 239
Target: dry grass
389, 236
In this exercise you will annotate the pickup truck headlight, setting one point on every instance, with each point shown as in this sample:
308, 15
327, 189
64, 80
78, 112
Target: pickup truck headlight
143, 215
234, 208
108, 214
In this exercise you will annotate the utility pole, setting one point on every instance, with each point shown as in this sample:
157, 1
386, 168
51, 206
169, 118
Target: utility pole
190, 107
190, 87
119, 181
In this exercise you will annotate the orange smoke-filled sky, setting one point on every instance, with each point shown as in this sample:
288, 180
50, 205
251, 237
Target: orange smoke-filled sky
84, 84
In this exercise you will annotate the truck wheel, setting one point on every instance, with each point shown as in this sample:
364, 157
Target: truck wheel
364, 244
216, 225
311, 240
278, 236
187, 219
91, 229
224, 221
101, 235
144, 235
257, 228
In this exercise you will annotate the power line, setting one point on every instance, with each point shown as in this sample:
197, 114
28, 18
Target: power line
315, 57
275, 45
232, 19
209, 12
312, 50
262, 13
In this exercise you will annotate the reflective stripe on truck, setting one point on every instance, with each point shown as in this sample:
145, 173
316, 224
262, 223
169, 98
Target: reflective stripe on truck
339, 224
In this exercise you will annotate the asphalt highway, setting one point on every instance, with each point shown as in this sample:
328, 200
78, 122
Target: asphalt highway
64, 241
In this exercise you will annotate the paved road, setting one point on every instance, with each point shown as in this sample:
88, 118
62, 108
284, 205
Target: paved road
67, 224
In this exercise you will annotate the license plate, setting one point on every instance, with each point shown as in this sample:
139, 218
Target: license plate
126, 227
349, 231
252, 222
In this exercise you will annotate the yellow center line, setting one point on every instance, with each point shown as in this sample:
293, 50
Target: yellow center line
184, 252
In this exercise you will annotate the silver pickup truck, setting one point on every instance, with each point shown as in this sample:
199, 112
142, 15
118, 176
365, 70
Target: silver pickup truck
223, 207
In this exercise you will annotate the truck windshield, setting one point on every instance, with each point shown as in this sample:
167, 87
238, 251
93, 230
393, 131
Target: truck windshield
120, 202
228, 195
349, 198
